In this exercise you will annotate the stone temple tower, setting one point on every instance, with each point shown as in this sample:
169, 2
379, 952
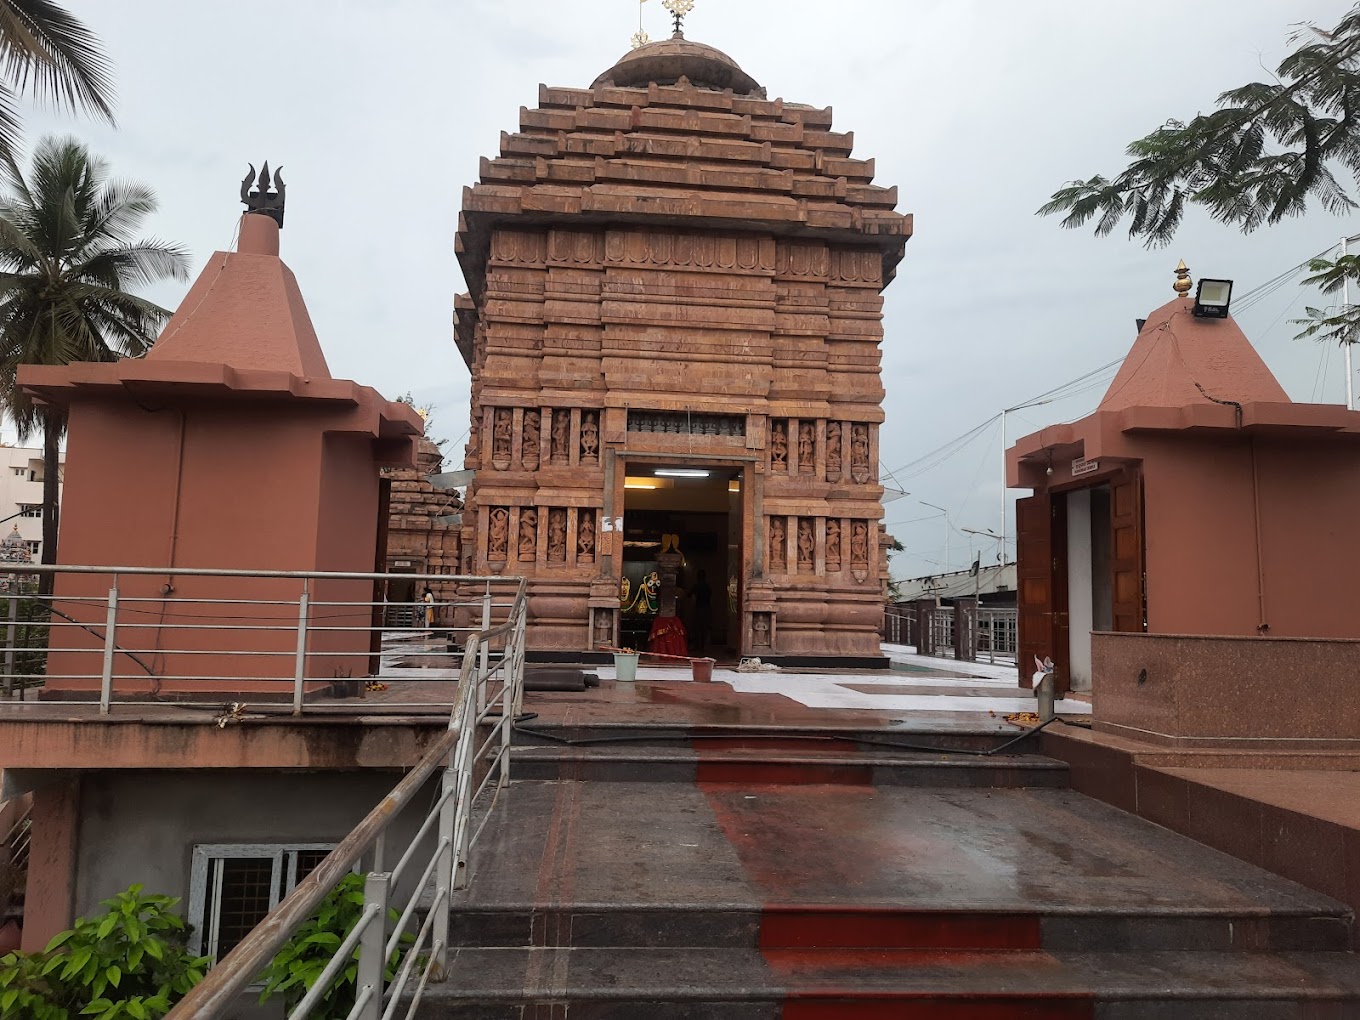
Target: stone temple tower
673, 327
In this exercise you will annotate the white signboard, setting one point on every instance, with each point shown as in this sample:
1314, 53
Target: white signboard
1084, 467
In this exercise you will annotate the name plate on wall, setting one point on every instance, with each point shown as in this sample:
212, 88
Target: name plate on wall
1084, 467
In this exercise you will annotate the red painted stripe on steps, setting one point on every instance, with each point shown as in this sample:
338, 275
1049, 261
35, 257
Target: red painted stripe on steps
835, 928
935, 1007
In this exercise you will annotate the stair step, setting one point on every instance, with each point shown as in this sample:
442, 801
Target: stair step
671, 984
771, 927
765, 763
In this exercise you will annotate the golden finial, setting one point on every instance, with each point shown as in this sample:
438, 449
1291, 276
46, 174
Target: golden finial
1183, 284
640, 38
424, 412
678, 9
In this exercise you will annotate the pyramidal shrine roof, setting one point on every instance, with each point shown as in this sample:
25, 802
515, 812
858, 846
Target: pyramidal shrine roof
676, 133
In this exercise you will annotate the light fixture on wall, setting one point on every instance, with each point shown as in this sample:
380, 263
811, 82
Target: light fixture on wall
680, 473
1212, 298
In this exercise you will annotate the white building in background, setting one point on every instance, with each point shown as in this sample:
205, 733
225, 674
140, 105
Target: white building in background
21, 487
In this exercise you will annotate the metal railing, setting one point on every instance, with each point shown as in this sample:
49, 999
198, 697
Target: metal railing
471, 758
145, 635
991, 633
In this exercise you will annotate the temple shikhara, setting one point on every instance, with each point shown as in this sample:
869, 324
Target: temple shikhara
673, 327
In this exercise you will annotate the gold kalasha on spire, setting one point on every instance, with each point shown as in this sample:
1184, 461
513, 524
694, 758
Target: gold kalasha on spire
1182, 283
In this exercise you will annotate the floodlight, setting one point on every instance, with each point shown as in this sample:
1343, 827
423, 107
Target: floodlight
1212, 299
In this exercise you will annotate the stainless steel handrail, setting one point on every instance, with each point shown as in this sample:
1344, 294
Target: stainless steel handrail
452, 753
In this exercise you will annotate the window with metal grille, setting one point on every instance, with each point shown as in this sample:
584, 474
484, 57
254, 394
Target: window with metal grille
30, 509
232, 887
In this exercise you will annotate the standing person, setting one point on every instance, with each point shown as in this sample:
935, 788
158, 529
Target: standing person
428, 599
702, 597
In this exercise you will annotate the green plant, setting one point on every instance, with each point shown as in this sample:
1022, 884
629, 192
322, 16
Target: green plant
299, 964
127, 964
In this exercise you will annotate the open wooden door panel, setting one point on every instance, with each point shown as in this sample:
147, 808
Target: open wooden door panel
1034, 582
1126, 552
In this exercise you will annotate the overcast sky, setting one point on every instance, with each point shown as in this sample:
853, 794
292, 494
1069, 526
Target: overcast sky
976, 109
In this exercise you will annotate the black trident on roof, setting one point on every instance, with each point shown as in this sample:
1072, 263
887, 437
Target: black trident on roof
262, 200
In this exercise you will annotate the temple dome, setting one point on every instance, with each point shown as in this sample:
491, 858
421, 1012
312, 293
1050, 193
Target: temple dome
668, 61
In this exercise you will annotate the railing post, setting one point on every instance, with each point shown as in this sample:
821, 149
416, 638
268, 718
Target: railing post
486, 648
444, 871
300, 663
110, 636
11, 635
372, 955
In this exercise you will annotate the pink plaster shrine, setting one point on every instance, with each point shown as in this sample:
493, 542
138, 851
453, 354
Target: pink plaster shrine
228, 446
1238, 506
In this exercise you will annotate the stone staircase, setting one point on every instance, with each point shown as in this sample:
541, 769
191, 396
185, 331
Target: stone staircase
757, 873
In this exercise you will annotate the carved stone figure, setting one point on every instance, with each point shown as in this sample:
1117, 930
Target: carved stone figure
561, 435
557, 535
604, 630
833, 451
498, 534
528, 534
778, 550
502, 431
833, 545
590, 436
807, 544
532, 438
859, 544
807, 448
859, 453
760, 630
585, 536
779, 446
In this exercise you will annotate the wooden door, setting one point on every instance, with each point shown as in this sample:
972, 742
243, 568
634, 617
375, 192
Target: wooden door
1126, 552
1034, 582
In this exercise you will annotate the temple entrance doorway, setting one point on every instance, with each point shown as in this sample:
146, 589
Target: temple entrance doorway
681, 522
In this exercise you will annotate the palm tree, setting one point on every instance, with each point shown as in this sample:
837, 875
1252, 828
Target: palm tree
68, 261
47, 51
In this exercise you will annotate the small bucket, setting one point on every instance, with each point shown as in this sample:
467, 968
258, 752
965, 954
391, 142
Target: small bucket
625, 667
703, 669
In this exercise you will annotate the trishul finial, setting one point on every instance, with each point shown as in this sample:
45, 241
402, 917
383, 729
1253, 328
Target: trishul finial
1182, 283
678, 9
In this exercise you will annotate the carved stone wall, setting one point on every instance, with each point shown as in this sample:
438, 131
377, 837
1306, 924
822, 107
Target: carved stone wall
416, 540
681, 274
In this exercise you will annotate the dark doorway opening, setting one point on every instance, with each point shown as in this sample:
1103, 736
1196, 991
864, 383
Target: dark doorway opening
695, 511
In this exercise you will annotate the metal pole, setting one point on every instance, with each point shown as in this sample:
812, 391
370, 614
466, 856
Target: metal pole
486, 648
110, 633
372, 950
300, 661
11, 633
1003, 484
1345, 304
444, 876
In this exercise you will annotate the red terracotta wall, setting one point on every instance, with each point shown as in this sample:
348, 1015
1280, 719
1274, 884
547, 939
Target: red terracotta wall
1202, 574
